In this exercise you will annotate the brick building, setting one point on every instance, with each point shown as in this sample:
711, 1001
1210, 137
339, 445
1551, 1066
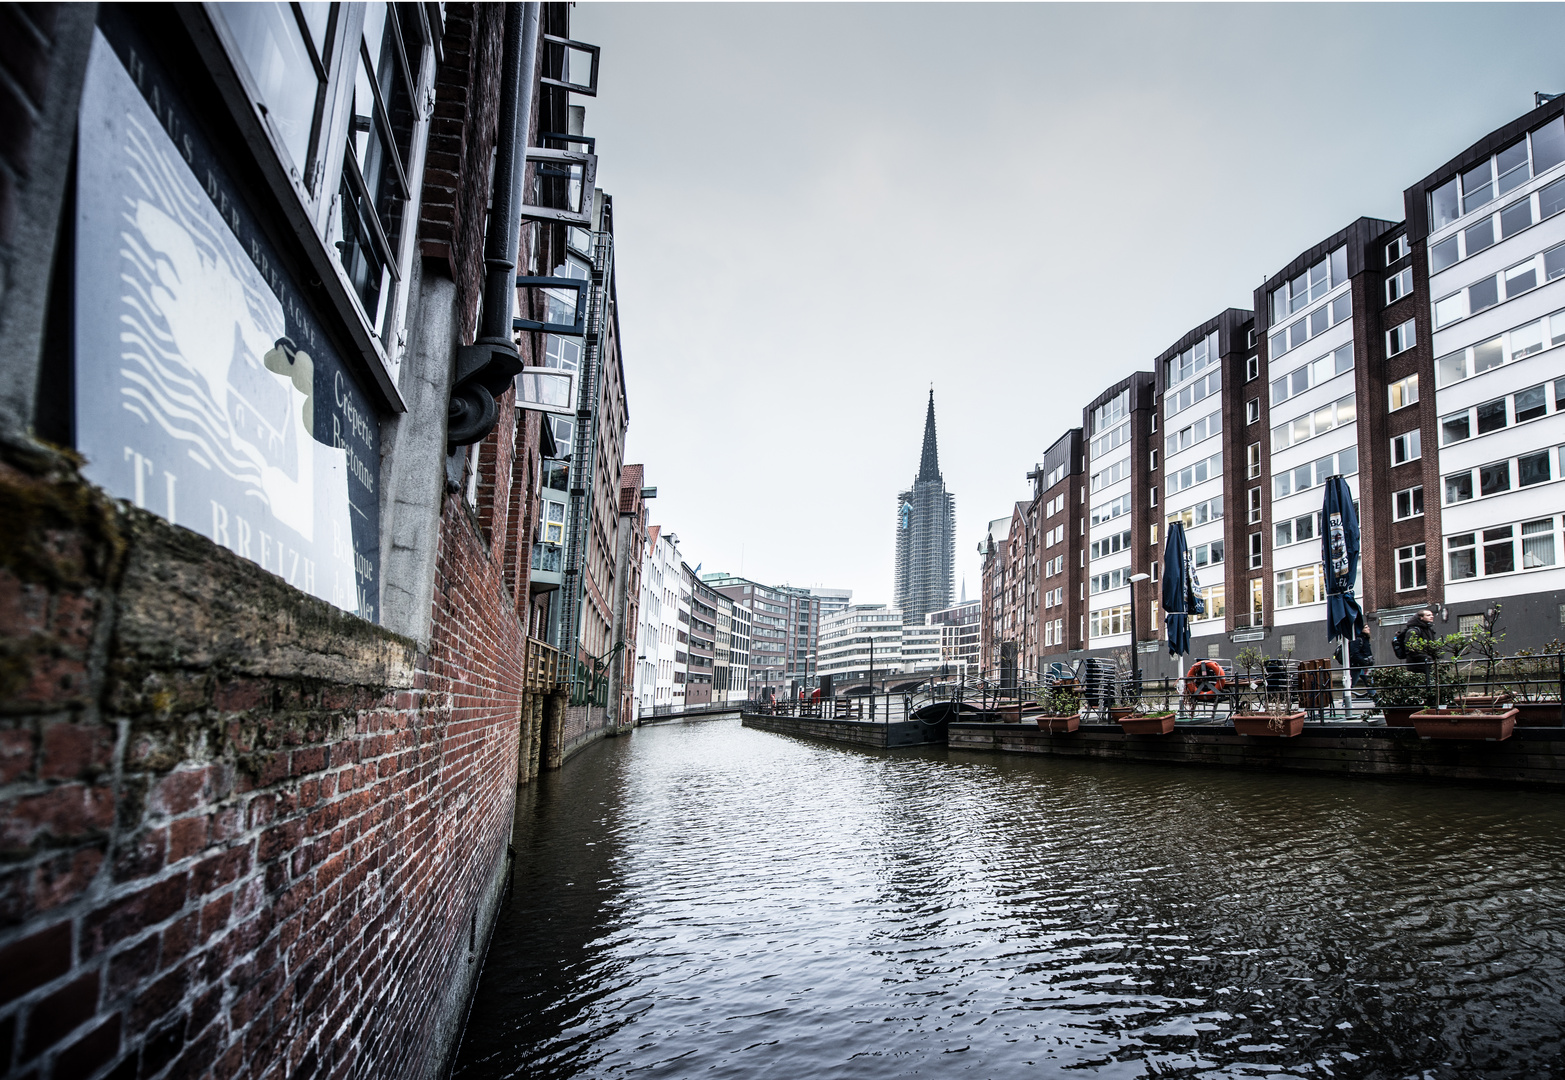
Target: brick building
1417, 359
268, 604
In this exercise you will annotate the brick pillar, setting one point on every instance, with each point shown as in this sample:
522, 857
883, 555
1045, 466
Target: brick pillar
553, 744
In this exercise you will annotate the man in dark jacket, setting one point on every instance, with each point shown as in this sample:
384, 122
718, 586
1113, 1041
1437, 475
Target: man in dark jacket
1418, 641
1361, 657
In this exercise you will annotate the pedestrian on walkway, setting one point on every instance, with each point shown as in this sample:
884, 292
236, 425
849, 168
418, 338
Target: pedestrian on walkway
1418, 642
1361, 656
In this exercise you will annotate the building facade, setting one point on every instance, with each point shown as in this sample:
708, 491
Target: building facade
1417, 359
959, 637
926, 534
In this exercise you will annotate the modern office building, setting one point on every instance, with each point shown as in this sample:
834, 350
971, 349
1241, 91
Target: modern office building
832, 599
926, 534
1417, 359
959, 637
702, 677
768, 611
860, 644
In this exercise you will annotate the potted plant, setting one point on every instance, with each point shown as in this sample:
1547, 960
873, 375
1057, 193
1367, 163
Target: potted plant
1061, 709
1492, 723
1401, 692
1264, 707
1147, 721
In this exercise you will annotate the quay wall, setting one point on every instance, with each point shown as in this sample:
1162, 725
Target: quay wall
855, 732
1534, 757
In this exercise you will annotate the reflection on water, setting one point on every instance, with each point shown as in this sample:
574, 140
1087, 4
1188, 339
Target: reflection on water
703, 900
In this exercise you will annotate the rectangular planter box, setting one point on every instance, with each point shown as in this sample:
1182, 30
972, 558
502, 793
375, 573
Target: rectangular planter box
1283, 727
1538, 714
1147, 725
1400, 715
1454, 724
1059, 725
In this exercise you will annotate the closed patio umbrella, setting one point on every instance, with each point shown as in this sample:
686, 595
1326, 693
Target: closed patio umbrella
1339, 554
1180, 598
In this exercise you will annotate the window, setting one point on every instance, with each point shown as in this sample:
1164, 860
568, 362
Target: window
1515, 218
1533, 468
1298, 586
1295, 530
1310, 474
1252, 411
1312, 374
1410, 568
1119, 436
1257, 600
1537, 543
1195, 474
1256, 551
553, 522
1461, 556
1190, 393
1458, 487
1301, 330
1153, 494
1249, 340
1153, 463
1311, 285
1407, 503
1495, 478
1399, 285
1206, 554
1499, 550
1192, 361
1397, 249
1491, 416
1332, 414
1112, 509
1215, 607
1255, 506
1110, 544
1111, 412
1153, 540
1111, 475
1113, 620
1199, 514
1400, 338
1252, 460
1204, 428
1403, 393
1405, 447
1252, 366
1455, 428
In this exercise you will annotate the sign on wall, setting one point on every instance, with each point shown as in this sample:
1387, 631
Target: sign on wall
206, 391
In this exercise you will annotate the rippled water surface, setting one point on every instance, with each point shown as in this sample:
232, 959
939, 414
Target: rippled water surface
703, 900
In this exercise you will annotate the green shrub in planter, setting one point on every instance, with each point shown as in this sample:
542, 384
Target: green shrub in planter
1400, 688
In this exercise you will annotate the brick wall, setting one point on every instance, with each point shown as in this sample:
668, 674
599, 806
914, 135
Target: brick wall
244, 834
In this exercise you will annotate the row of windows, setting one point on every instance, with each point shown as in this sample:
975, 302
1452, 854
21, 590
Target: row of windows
1345, 462
1111, 412
1317, 322
1111, 475
1111, 620
1111, 510
1310, 286
1109, 440
1498, 477
1199, 390
1196, 473
1481, 235
1191, 362
1054, 506
1054, 632
1509, 347
1497, 288
1054, 566
1332, 414
1314, 373
1119, 541
1190, 434
1518, 408
1207, 554
1113, 579
1054, 536
1299, 586
1054, 597
1199, 514
1507, 170
1493, 551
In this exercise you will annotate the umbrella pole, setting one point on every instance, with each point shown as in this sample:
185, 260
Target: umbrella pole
1347, 680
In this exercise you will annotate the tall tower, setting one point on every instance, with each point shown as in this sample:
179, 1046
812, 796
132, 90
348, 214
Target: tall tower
926, 534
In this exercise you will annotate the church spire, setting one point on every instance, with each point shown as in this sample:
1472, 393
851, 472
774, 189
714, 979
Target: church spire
929, 464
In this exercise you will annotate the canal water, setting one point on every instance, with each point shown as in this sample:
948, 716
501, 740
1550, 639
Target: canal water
701, 900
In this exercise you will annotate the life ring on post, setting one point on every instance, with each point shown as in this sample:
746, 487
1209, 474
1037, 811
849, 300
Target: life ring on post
1205, 679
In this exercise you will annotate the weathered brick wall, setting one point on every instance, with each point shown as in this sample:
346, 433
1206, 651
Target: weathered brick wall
242, 833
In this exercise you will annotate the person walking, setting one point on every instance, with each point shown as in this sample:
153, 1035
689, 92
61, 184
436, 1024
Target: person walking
1417, 640
1361, 657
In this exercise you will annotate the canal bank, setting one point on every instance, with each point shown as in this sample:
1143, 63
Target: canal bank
1531, 757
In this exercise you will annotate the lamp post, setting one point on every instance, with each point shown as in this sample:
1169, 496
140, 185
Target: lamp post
1135, 642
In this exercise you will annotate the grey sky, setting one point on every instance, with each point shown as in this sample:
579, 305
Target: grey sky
822, 208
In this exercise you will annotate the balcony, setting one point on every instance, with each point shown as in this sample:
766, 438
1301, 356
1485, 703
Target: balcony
548, 562
542, 672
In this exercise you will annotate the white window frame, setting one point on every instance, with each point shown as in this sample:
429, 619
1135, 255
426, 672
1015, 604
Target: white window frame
1413, 440
1412, 558
1414, 497
1401, 338
1399, 285
1252, 411
1405, 389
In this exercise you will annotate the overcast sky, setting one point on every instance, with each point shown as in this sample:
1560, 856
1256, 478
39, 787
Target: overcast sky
822, 209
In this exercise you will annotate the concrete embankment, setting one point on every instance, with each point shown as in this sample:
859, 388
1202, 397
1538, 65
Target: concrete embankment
856, 732
1534, 757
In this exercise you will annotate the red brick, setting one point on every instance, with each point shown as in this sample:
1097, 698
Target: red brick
91, 1052
34, 960
75, 751
129, 967
57, 1015
132, 914
63, 879
142, 855
179, 792
17, 749
65, 813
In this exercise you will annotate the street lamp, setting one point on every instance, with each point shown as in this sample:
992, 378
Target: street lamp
1135, 643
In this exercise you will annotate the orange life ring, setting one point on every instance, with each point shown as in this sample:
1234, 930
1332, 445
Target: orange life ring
1205, 679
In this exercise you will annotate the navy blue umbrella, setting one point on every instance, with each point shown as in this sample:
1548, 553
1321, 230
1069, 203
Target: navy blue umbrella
1181, 597
1339, 553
